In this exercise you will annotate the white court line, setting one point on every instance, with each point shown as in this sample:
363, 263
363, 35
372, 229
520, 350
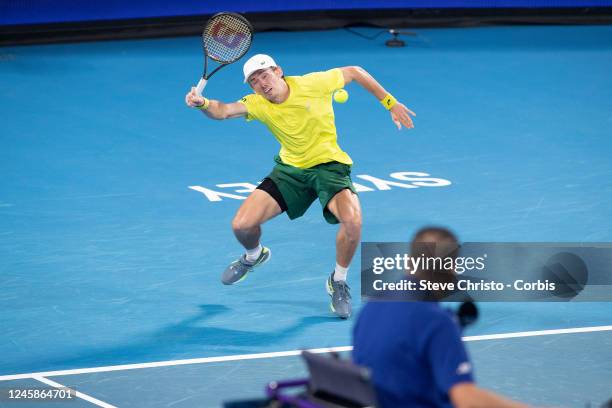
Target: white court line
77, 393
282, 354
538, 333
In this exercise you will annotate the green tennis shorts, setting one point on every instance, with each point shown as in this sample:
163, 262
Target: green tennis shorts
300, 187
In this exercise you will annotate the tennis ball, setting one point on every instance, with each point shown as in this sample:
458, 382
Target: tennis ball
341, 96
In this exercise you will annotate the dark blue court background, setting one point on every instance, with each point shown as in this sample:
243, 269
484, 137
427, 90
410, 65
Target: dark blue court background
46, 11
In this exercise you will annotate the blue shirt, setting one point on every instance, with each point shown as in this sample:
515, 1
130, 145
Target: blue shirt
414, 350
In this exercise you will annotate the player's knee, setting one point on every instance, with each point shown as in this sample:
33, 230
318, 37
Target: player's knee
242, 224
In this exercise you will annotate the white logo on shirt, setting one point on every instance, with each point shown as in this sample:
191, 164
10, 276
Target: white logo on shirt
464, 368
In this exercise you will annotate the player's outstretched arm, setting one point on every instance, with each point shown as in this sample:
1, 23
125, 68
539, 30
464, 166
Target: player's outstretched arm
400, 114
215, 109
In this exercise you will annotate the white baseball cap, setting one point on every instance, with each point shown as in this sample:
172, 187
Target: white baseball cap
257, 62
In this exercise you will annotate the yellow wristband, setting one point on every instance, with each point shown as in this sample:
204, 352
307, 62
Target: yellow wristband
205, 105
388, 101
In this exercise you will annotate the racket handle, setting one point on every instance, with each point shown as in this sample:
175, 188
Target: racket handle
201, 86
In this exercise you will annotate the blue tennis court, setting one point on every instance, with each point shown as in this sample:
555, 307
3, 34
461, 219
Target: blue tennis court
116, 202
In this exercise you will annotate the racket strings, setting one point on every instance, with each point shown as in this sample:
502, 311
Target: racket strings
227, 38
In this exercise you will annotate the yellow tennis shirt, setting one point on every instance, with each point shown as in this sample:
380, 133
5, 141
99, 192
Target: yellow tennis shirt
304, 124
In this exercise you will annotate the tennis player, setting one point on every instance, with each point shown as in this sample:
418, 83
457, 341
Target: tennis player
298, 112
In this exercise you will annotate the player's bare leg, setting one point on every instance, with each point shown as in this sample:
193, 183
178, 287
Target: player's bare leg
258, 208
345, 206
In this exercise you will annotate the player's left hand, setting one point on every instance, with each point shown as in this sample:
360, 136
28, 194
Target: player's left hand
400, 115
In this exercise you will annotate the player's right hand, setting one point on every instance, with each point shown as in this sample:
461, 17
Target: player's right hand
192, 99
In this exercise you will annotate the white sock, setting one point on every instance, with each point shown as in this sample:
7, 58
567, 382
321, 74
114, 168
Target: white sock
340, 273
253, 254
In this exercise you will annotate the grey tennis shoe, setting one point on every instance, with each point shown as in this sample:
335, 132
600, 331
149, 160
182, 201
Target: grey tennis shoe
340, 293
239, 269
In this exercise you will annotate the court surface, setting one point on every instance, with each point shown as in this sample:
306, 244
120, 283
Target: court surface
116, 202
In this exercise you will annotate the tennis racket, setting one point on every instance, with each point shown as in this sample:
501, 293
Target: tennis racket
226, 38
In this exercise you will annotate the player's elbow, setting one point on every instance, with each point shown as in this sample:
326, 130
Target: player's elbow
218, 112
219, 117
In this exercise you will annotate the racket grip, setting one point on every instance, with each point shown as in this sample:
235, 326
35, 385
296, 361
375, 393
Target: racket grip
201, 86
